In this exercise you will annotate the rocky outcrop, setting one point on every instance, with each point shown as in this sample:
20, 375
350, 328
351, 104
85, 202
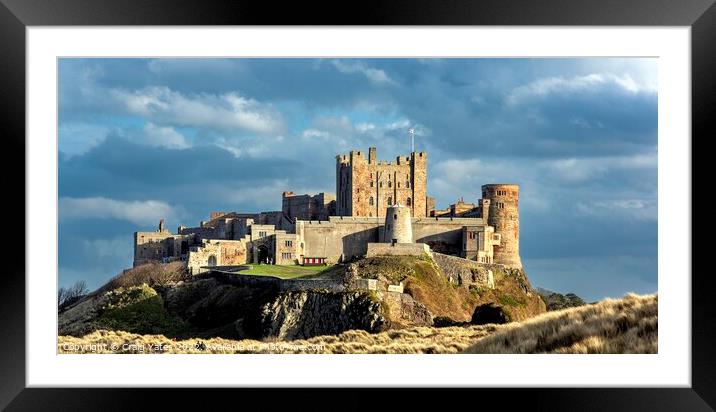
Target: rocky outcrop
403, 310
303, 314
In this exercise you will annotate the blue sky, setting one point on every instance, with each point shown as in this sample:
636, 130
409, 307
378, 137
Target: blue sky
144, 139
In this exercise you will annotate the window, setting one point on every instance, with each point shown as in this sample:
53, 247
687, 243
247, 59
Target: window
398, 185
409, 202
407, 184
390, 200
371, 183
395, 217
262, 233
390, 184
380, 184
370, 201
285, 256
288, 243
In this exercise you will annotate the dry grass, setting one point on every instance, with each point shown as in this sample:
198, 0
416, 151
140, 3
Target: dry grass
413, 340
153, 274
627, 325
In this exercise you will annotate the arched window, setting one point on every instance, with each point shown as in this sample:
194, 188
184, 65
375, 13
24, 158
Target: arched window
408, 202
370, 201
212, 260
390, 184
390, 200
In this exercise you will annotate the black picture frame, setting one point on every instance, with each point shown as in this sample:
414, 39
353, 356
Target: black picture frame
16, 15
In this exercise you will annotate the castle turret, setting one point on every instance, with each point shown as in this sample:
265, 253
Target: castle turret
503, 214
398, 225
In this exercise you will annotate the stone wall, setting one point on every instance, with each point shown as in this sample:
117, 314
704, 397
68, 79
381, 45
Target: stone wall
443, 235
464, 272
308, 207
160, 246
347, 237
398, 249
216, 253
338, 238
277, 284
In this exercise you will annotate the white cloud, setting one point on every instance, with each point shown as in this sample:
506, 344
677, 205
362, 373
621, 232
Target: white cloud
138, 212
374, 75
164, 136
314, 133
638, 209
582, 169
577, 84
228, 111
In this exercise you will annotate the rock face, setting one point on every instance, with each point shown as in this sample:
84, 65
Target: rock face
403, 310
490, 313
304, 314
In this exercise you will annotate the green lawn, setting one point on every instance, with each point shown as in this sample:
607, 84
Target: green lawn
283, 271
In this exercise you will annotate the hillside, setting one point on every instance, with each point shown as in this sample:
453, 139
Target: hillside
627, 325
428, 283
158, 299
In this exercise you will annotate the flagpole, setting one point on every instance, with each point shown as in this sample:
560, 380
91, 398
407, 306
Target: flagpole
412, 138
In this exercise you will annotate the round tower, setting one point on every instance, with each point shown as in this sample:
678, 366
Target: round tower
504, 216
398, 225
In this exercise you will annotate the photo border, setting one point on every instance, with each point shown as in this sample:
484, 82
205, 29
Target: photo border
16, 15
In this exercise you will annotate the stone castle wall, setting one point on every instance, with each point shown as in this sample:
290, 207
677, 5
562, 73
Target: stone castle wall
216, 253
398, 249
347, 237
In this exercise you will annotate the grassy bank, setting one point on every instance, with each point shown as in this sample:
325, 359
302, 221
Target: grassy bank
283, 271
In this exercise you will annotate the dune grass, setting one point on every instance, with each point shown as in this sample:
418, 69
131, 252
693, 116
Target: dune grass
627, 325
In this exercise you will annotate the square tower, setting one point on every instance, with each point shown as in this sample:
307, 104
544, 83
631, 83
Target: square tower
366, 186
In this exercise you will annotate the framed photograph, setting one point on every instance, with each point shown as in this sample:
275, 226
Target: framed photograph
433, 195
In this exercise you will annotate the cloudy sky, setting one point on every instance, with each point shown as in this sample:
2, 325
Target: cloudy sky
144, 139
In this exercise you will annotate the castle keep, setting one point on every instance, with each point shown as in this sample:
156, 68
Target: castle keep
379, 208
366, 186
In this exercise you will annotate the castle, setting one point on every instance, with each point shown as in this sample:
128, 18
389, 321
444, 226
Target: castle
380, 207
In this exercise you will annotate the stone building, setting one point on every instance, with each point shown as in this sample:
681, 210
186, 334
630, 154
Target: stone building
308, 207
378, 204
366, 186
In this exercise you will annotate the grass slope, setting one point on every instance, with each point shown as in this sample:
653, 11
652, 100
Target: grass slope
426, 283
628, 325
283, 271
